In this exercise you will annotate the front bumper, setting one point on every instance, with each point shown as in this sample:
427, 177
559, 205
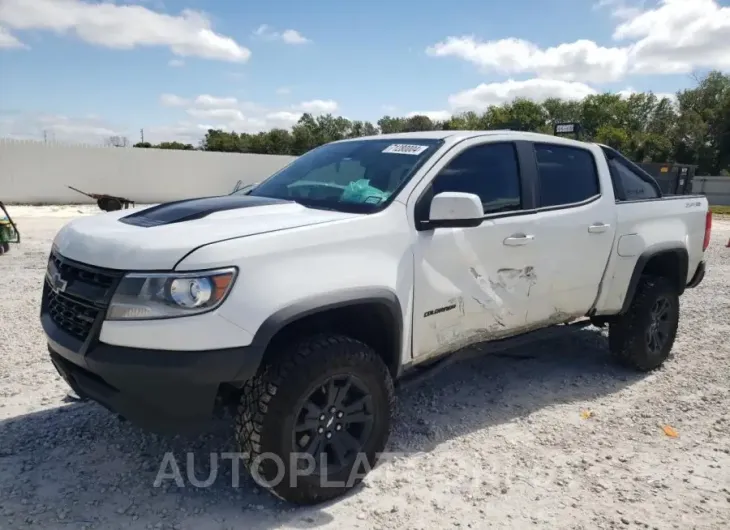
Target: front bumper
160, 390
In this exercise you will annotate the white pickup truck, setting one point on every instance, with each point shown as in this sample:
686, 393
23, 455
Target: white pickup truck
298, 303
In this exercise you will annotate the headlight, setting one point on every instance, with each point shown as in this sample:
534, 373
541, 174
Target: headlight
142, 296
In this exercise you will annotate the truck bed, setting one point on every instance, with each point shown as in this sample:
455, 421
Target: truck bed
646, 227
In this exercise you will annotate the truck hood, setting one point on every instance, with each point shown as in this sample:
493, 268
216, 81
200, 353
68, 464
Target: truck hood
157, 237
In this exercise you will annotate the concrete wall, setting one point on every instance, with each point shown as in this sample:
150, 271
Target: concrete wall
717, 189
38, 173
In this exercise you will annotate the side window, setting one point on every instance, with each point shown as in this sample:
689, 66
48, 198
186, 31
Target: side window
635, 188
567, 175
490, 171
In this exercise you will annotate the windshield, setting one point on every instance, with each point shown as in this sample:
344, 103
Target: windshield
355, 176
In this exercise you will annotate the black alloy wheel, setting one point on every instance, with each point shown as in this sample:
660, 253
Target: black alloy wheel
659, 326
334, 423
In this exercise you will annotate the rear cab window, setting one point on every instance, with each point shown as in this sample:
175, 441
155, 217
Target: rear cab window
567, 175
629, 184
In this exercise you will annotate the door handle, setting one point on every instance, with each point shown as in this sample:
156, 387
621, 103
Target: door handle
597, 228
518, 240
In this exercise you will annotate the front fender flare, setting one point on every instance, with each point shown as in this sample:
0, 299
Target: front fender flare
326, 301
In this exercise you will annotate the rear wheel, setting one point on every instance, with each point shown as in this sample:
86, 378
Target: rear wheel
643, 337
312, 423
4, 247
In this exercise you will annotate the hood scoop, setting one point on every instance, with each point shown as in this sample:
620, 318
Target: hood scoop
192, 209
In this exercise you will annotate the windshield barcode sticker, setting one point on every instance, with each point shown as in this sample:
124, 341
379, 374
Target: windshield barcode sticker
405, 149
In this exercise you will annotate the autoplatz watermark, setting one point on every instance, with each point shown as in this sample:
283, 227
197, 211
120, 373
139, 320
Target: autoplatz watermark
300, 465
456, 472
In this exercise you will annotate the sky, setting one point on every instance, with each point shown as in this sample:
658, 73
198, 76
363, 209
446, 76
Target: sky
85, 70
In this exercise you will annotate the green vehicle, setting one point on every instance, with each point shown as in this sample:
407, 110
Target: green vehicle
8, 231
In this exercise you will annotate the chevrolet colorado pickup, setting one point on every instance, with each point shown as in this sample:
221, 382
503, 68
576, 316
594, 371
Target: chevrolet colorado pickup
298, 303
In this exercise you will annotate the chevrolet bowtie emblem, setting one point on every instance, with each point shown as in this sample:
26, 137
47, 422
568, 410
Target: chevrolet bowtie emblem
56, 281
58, 284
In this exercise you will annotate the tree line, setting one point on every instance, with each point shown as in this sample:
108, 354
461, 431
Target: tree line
694, 129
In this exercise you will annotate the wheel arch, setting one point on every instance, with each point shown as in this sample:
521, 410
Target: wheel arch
371, 315
670, 260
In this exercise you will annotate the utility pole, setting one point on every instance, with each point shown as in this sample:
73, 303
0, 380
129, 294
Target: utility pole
45, 136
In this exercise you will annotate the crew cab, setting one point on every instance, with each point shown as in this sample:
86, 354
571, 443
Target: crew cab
299, 303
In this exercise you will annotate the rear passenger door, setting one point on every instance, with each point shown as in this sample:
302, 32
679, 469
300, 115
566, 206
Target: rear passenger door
573, 234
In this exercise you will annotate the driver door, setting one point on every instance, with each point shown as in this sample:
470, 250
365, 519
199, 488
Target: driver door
473, 284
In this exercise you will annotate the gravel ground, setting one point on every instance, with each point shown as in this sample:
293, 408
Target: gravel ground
555, 437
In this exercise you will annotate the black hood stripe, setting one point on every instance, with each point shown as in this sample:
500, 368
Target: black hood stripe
192, 209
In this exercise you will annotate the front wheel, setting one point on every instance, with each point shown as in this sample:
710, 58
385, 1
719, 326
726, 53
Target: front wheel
643, 337
314, 420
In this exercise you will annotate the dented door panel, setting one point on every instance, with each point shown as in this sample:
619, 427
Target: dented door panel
469, 286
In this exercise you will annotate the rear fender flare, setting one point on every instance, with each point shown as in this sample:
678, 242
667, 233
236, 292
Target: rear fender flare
652, 252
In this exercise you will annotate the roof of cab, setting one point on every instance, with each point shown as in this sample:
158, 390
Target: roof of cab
437, 135
455, 136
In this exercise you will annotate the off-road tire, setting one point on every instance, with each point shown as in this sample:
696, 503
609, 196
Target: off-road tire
628, 333
4, 248
269, 405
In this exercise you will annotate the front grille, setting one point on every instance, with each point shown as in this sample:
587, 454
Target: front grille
76, 294
90, 281
73, 317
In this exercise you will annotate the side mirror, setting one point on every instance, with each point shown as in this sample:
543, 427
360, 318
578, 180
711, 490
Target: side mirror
455, 209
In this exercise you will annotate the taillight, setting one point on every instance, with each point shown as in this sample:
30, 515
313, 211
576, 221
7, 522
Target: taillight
708, 230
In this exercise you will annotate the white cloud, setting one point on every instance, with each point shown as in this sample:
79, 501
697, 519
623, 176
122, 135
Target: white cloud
678, 36
317, 106
8, 40
124, 27
195, 121
230, 114
582, 60
283, 91
57, 128
209, 101
204, 101
675, 36
282, 119
292, 36
183, 131
480, 97
621, 8
217, 114
433, 115
630, 91
176, 63
289, 36
171, 100
244, 117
